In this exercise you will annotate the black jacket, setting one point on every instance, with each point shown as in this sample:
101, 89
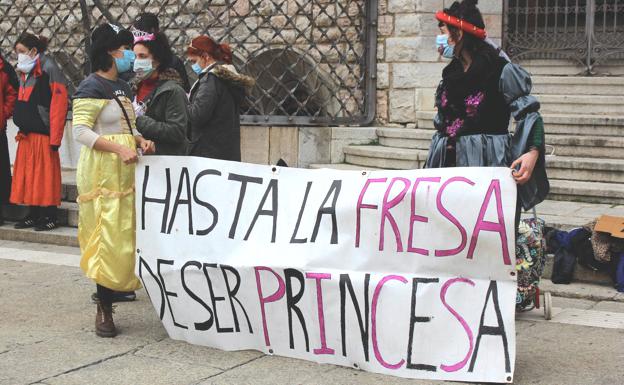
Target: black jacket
214, 113
494, 146
166, 118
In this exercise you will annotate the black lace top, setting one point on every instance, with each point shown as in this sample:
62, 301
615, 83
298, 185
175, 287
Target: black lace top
471, 102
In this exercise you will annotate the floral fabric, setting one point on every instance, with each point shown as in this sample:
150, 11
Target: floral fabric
530, 259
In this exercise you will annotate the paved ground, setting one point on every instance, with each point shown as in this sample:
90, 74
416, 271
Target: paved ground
46, 337
567, 215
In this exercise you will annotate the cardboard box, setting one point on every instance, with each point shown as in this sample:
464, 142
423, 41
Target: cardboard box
611, 225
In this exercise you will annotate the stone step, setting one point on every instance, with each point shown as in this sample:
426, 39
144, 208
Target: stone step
566, 215
587, 146
405, 137
609, 171
565, 124
563, 145
559, 167
581, 104
578, 85
385, 157
63, 236
584, 125
592, 192
561, 67
67, 213
69, 192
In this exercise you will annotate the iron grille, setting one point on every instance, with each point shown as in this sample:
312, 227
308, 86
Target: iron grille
313, 60
590, 32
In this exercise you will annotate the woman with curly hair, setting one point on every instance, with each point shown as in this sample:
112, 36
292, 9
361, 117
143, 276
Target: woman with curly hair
479, 92
160, 101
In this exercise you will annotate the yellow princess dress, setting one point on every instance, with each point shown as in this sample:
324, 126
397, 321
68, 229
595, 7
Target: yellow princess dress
106, 229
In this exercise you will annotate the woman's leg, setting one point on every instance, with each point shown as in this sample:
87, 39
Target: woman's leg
105, 294
47, 219
31, 219
518, 216
5, 174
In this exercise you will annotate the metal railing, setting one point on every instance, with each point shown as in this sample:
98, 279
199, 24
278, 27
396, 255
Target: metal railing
589, 32
313, 60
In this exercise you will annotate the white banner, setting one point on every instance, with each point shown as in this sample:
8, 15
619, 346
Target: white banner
408, 273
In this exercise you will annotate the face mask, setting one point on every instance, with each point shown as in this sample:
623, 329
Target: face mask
442, 40
143, 68
124, 64
25, 63
448, 52
197, 68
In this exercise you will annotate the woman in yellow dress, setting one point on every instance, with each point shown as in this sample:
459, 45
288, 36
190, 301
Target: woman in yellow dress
104, 122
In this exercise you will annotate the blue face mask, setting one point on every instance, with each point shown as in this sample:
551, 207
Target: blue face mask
448, 52
442, 40
197, 68
124, 64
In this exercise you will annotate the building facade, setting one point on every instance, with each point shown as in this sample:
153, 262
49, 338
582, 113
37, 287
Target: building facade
330, 73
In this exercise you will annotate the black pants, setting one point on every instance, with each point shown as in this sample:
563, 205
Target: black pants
518, 215
37, 212
105, 295
5, 169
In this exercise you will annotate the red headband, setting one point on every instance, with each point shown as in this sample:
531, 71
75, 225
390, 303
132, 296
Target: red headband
461, 24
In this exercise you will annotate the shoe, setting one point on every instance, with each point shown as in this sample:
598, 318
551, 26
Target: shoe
104, 324
26, 223
118, 296
46, 224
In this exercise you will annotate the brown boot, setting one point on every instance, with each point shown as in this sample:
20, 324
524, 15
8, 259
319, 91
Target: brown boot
104, 325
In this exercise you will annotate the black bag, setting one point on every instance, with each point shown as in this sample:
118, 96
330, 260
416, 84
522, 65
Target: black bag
618, 276
581, 243
563, 268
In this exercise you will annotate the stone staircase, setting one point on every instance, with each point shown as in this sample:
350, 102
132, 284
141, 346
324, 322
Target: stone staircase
584, 122
66, 235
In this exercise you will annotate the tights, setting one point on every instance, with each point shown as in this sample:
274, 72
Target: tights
105, 295
37, 212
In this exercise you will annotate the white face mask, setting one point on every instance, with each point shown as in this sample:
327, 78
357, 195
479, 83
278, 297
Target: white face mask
143, 68
25, 63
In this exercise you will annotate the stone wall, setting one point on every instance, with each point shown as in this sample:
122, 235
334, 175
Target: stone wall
318, 40
301, 146
408, 65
